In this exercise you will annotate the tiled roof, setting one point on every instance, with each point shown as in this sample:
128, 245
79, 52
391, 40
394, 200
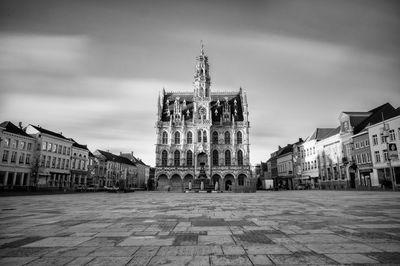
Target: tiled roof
188, 97
115, 158
10, 127
285, 150
77, 145
320, 133
386, 110
333, 132
48, 132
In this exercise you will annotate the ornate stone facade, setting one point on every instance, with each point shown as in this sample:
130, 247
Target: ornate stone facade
202, 130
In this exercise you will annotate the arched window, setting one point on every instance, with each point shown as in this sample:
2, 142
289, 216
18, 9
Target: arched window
227, 138
227, 157
177, 138
199, 136
177, 158
164, 138
164, 158
204, 136
189, 158
241, 180
189, 137
215, 137
239, 137
240, 157
215, 158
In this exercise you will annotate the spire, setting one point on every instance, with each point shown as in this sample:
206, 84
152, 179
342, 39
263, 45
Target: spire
202, 79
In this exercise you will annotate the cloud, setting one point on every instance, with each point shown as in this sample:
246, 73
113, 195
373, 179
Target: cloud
41, 53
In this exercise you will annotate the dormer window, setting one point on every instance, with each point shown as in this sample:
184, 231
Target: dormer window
346, 126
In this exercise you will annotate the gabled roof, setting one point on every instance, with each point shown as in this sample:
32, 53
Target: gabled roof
285, 150
115, 158
383, 111
131, 157
321, 133
77, 145
11, 128
333, 132
48, 132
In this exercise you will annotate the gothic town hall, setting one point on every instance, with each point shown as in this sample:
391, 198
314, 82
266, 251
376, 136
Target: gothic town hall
202, 133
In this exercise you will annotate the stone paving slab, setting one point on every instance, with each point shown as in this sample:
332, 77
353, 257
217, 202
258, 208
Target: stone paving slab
58, 242
16, 261
145, 228
180, 261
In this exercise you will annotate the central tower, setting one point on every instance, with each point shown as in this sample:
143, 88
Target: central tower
202, 79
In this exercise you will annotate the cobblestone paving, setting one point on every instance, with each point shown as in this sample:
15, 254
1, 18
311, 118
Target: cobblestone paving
267, 228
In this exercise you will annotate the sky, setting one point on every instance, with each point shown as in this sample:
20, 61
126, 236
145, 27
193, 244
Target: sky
93, 69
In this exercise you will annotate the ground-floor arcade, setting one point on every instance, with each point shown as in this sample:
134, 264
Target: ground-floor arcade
180, 182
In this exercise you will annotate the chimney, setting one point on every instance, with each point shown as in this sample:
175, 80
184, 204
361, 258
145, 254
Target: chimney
20, 125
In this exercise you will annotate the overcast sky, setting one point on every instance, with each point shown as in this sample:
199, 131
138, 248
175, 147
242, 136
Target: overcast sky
93, 69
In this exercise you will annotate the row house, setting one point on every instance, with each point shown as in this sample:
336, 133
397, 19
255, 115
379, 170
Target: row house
79, 165
17, 154
261, 172
329, 162
117, 170
352, 124
143, 170
363, 160
272, 167
283, 167
385, 161
309, 158
52, 156
349, 156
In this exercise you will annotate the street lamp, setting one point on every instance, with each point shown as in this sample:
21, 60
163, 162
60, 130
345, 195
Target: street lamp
385, 134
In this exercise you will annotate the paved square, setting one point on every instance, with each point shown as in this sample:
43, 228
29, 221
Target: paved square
264, 228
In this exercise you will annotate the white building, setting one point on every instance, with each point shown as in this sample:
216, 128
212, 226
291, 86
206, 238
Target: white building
310, 150
54, 153
379, 150
16, 151
330, 156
